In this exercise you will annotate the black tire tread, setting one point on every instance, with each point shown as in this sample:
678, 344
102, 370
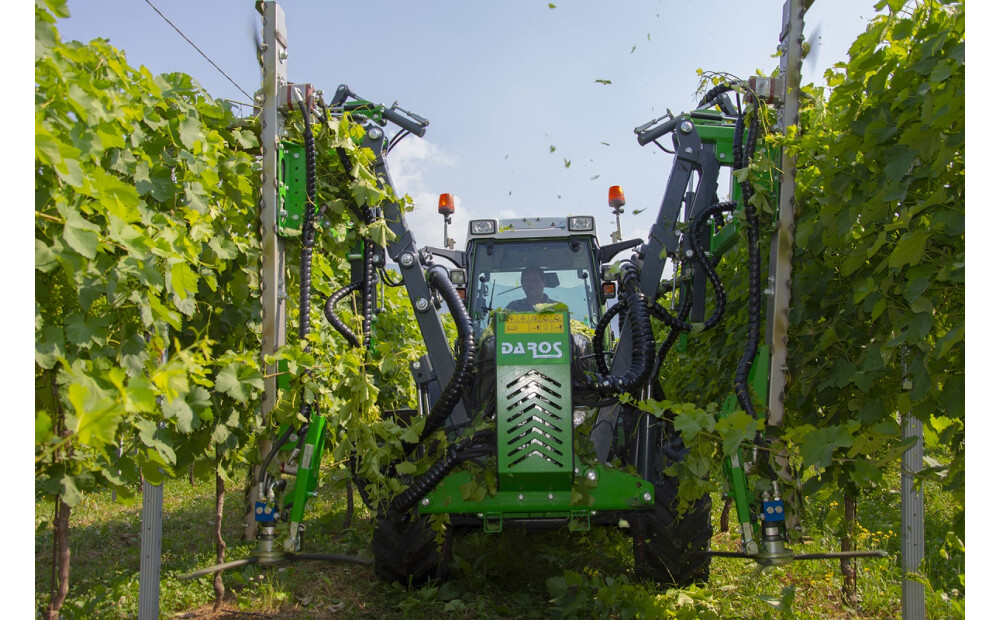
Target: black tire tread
406, 550
668, 546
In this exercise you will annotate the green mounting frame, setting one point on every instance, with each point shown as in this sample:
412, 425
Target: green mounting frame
732, 466
291, 189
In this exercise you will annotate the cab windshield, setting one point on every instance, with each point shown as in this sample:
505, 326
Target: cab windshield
499, 278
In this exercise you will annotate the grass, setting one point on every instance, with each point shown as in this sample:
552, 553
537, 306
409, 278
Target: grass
510, 575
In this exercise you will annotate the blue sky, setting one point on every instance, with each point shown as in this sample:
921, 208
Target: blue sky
501, 82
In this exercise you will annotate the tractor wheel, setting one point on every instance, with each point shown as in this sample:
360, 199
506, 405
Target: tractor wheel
406, 551
668, 546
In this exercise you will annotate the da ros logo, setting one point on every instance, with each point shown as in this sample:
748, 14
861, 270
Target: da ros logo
538, 350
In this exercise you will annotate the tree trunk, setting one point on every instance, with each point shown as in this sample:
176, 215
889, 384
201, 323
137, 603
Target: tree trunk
724, 517
349, 515
60, 523
849, 592
220, 544
60, 556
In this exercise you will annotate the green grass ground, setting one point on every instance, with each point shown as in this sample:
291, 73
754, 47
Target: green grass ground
510, 575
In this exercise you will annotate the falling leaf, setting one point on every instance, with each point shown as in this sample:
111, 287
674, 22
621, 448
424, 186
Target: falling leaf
506, 156
566, 162
605, 143
595, 177
552, 149
637, 211
647, 37
552, 6
633, 50
605, 82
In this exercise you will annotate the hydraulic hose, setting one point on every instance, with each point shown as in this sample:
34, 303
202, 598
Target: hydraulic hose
274, 450
437, 277
602, 325
741, 379
332, 317
668, 343
424, 484
635, 305
368, 293
725, 87
662, 314
308, 241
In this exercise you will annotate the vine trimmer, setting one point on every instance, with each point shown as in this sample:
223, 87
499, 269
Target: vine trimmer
533, 408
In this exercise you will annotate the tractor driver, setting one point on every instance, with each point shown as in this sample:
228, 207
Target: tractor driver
533, 284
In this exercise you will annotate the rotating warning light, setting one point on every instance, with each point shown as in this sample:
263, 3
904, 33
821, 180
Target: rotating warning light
616, 197
446, 204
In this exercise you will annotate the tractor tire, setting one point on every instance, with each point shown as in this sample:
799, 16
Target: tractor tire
669, 546
406, 551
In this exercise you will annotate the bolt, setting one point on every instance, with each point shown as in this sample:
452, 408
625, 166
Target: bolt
415, 365
647, 497
591, 475
422, 304
688, 149
295, 155
689, 253
260, 510
283, 55
259, 97
407, 259
520, 497
576, 471
686, 127
551, 497
374, 133
425, 502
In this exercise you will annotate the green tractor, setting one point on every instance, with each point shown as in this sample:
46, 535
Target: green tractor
534, 298
532, 408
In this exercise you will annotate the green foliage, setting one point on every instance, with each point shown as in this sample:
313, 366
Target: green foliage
593, 595
878, 313
147, 248
877, 323
145, 257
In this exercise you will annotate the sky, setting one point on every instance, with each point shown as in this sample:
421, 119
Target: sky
502, 83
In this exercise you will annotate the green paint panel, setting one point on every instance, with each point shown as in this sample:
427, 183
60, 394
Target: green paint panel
605, 489
534, 402
291, 189
307, 476
719, 135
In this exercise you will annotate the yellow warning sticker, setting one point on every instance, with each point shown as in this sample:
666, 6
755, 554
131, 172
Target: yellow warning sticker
535, 323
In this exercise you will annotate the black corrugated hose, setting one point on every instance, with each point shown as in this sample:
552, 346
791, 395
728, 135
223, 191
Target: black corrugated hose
437, 277
668, 342
742, 388
425, 483
662, 313
334, 320
643, 349
308, 241
725, 87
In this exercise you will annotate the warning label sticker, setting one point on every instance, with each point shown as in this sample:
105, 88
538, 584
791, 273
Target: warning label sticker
535, 323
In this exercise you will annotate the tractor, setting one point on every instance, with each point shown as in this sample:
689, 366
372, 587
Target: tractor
555, 346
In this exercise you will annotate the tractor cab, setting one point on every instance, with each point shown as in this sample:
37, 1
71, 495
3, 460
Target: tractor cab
516, 264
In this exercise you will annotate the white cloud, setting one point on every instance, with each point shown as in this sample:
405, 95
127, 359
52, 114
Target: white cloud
409, 164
